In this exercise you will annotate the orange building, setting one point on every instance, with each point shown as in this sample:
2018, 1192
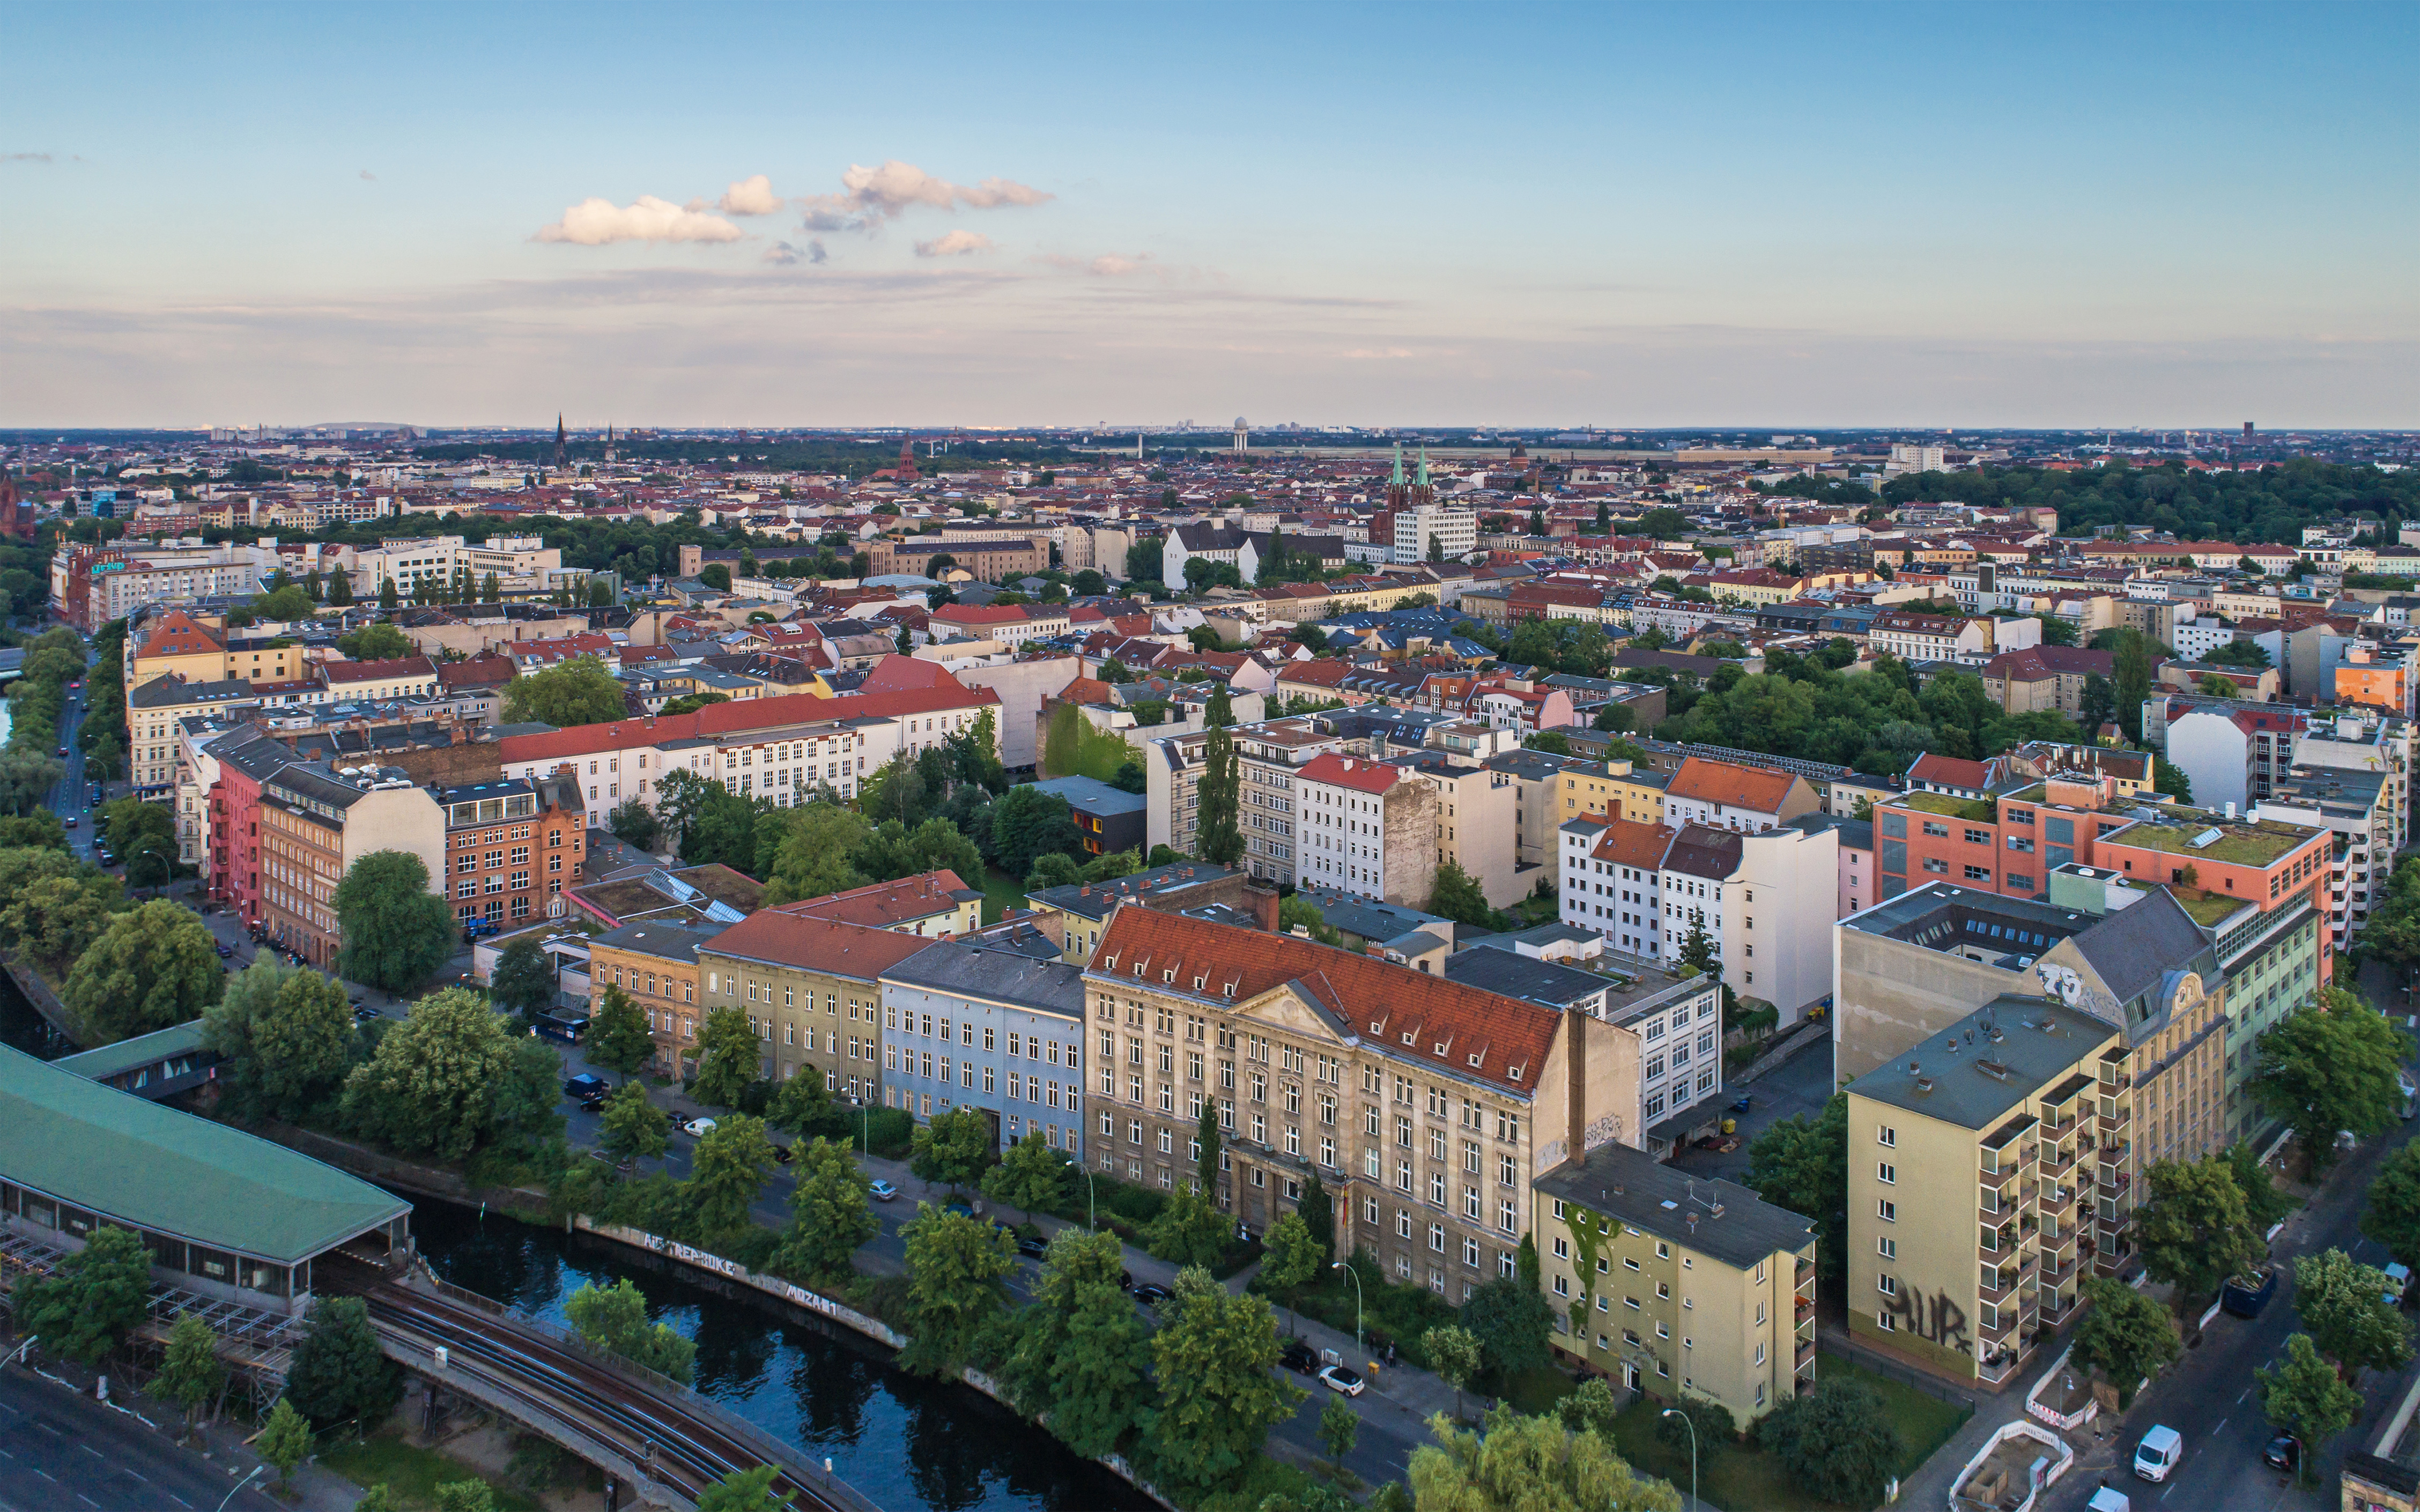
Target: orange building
2380, 684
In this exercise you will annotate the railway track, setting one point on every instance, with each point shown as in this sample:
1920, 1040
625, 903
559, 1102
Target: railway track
679, 1446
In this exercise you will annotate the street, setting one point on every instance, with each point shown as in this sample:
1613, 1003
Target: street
59, 1451
1799, 1086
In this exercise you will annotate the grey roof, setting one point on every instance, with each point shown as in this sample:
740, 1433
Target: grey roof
2134, 949
1976, 1085
1094, 899
1090, 795
1702, 850
1368, 918
661, 938
156, 1167
1733, 1224
968, 969
173, 692
1557, 932
1531, 765
1497, 968
1930, 914
110, 1059
1856, 833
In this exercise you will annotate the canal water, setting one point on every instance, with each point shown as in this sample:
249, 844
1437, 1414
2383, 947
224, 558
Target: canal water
906, 1442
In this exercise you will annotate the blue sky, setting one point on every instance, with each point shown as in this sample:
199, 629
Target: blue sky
1640, 216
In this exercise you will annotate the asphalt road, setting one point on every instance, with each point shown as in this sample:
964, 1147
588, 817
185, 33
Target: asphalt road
1801, 1084
61, 1452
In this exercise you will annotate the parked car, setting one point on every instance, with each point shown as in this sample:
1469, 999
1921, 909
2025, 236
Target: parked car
2284, 1452
698, 1128
63, 750
881, 1191
226, 951
363, 1014
2108, 1499
2158, 1453
70, 821
586, 1085
2399, 1283
1151, 1293
1300, 1357
2246, 1295
1341, 1378
1036, 1248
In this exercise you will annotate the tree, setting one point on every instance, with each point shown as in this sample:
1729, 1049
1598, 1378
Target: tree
746, 1490
1219, 1393
2329, 1067
465, 1496
340, 590
190, 1372
800, 1102
1027, 823
631, 1128
2343, 1305
286, 1038
1836, 1441
812, 851
286, 1440
523, 982
582, 690
151, 968
2212, 684
619, 1039
1220, 836
435, 1084
2131, 681
954, 1148
1711, 1420
338, 1373
1188, 1230
1082, 1354
2301, 1394
2194, 1232
1698, 947
2393, 1215
1511, 1323
634, 823
729, 1056
1529, 1464
1454, 1358
1318, 1212
1589, 1408
728, 1168
1803, 1164
91, 1300
1339, 1429
2262, 1202
1205, 1144
615, 1320
830, 1216
55, 918
957, 1281
1291, 1257
388, 599
2127, 1335
396, 932
894, 851
1026, 1177
1457, 897
377, 641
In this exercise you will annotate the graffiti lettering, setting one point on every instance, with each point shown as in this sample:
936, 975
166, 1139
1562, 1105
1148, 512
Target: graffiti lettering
1943, 1322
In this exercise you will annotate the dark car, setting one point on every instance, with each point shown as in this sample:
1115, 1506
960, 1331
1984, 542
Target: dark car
2284, 1452
585, 1086
782, 1155
1301, 1358
1036, 1248
1151, 1293
225, 950
363, 1014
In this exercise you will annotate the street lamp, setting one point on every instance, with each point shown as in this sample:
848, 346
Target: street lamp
241, 1485
1340, 1265
165, 865
865, 1126
1092, 1206
1674, 1412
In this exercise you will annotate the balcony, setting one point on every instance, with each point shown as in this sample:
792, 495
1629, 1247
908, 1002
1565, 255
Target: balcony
2054, 1130
2055, 1202
2052, 1170
2056, 1275
1805, 1358
1998, 1333
1805, 1276
2116, 1123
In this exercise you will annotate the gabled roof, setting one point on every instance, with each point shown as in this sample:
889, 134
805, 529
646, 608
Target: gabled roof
773, 937
377, 672
1704, 852
883, 904
178, 634
1463, 1031
1630, 842
1361, 775
738, 716
1760, 789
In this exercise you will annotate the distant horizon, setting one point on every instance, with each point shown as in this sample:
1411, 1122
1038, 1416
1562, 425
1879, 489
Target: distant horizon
1215, 437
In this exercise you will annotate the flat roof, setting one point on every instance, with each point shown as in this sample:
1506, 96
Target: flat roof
162, 1169
1976, 1084
1733, 1224
2253, 843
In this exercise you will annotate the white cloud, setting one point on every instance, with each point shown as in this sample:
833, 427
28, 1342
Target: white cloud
594, 222
369, 177
1111, 264
957, 243
751, 195
870, 196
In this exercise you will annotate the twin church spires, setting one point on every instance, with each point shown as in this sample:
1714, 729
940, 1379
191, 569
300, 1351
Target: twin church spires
1419, 494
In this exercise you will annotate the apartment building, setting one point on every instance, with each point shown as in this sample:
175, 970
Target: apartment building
1616, 789
511, 847
1016, 1053
153, 713
2356, 807
784, 749
1721, 795
1079, 912
198, 650
1537, 796
2363, 740
1473, 824
522, 565
812, 989
1674, 1285
315, 820
1427, 1107
933, 904
994, 560
1611, 881
2232, 754
1269, 755
2011, 1101
1922, 638
655, 961
1434, 533
403, 677
91, 585
1367, 829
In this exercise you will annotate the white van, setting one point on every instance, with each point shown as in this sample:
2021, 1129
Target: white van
2108, 1499
2158, 1453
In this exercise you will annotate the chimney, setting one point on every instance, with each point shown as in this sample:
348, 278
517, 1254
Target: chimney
1575, 1085
1261, 898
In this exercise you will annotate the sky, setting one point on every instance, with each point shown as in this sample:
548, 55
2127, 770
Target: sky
1006, 215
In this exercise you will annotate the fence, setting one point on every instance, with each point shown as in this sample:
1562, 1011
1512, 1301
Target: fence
1906, 1375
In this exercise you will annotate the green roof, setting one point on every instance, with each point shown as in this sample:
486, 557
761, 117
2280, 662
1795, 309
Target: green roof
2239, 842
1948, 806
112, 1059
158, 1169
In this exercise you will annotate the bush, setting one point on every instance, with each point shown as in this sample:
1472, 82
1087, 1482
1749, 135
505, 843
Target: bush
1716, 1426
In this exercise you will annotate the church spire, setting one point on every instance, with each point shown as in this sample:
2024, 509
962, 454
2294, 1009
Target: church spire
1425, 467
561, 447
1397, 479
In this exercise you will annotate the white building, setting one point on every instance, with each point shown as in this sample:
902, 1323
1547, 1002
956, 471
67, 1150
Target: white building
1454, 533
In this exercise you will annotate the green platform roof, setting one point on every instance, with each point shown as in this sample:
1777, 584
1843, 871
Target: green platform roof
158, 1169
143, 1050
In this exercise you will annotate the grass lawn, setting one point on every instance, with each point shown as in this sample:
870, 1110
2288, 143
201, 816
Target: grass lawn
1536, 1392
413, 1474
1749, 1480
1002, 892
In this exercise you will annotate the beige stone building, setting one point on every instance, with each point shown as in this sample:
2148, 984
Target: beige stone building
1671, 1285
812, 992
1426, 1107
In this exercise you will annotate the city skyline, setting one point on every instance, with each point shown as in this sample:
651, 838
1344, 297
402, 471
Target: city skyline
1628, 219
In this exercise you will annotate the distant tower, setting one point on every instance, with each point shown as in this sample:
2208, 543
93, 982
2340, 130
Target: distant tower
1397, 495
609, 440
1138, 446
562, 445
1243, 437
908, 457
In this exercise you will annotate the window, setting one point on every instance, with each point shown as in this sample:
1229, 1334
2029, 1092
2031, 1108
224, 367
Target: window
1887, 1173
1932, 828
1936, 866
1886, 1285
1886, 1210
1885, 1137
1977, 873
1885, 1322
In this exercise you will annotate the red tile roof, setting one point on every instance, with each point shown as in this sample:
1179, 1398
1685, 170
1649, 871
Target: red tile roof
1470, 1033
375, 672
178, 634
735, 716
1360, 774
883, 904
1629, 842
1758, 788
845, 950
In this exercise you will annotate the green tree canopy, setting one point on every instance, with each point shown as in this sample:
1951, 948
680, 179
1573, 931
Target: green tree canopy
2195, 1231
91, 1300
396, 932
2126, 1334
2343, 1306
1836, 1441
1803, 1164
953, 1147
830, 1216
727, 1170
523, 983
190, 1372
1529, 1465
633, 1128
1219, 1393
287, 1036
614, 1319
957, 1281
377, 641
151, 968
1029, 1176
438, 1082
619, 1039
729, 1057
1189, 1231
339, 1374
2330, 1067
582, 690
2303, 1394
286, 1440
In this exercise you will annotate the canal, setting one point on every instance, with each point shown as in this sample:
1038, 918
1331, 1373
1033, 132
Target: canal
903, 1440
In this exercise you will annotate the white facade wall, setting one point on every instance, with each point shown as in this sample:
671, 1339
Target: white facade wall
2214, 753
